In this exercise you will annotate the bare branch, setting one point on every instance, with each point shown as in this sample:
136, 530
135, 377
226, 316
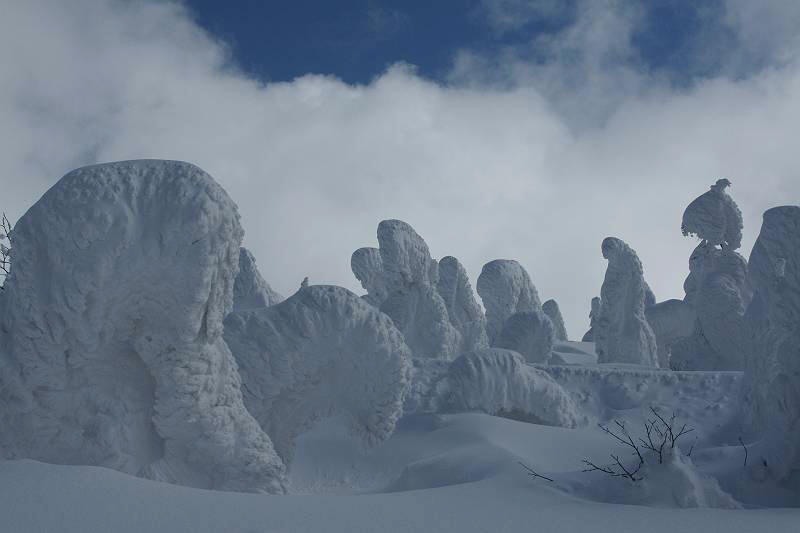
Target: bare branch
532, 472
745, 451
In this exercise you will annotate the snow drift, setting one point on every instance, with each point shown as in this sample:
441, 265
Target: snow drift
320, 352
113, 351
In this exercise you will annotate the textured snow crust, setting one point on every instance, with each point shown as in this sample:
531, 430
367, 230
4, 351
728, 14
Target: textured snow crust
499, 382
772, 399
367, 266
250, 291
622, 334
715, 218
551, 309
507, 290
464, 311
113, 351
322, 351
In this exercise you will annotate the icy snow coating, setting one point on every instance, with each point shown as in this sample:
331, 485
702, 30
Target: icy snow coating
499, 382
715, 218
594, 313
322, 351
250, 291
122, 276
514, 316
464, 311
550, 308
622, 334
402, 279
773, 370
367, 266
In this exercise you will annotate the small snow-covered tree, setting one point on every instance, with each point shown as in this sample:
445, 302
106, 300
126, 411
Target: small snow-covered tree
5, 250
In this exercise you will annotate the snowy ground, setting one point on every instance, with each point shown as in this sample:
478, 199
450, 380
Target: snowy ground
456, 473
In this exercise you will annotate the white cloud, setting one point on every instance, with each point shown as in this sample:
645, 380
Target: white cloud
481, 171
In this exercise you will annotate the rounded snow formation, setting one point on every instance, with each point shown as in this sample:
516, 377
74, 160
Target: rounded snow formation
465, 313
530, 333
123, 273
594, 313
671, 321
367, 266
250, 291
718, 291
499, 382
772, 400
402, 280
622, 334
322, 351
551, 309
715, 218
505, 288
405, 257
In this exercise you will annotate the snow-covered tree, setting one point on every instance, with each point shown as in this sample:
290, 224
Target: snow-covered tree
715, 218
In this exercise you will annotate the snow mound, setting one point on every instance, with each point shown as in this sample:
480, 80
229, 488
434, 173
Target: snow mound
123, 273
622, 334
530, 333
250, 291
551, 309
772, 399
464, 311
405, 256
320, 352
715, 218
499, 382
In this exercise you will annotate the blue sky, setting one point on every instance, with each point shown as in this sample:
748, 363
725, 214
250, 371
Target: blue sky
357, 40
519, 129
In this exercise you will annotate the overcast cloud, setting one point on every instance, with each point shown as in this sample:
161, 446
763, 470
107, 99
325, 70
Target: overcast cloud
535, 156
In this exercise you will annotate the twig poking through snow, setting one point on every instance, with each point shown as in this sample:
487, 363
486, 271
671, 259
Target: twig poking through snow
532, 472
745, 451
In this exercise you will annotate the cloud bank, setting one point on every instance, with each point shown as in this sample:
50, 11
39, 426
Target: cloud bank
529, 154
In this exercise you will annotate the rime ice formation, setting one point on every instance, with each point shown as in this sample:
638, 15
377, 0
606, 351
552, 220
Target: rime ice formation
772, 400
715, 218
250, 291
499, 382
550, 308
462, 308
402, 279
367, 267
323, 350
671, 321
507, 290
622, 334
122, 275
530, 333
594, 313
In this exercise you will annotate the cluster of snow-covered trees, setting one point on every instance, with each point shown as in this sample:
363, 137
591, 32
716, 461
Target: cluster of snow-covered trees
137, 334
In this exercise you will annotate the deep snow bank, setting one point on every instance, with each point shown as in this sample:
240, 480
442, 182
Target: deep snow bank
122, 275
322, 351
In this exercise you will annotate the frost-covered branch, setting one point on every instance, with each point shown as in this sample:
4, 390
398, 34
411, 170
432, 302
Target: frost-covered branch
5, 251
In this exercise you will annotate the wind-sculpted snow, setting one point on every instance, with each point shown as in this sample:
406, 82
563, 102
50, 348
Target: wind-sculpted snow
715, 218
367, 266
462, 308
499, 382
550, 308
505, 288
772, 399
402, 280
122, 276
671, 321
718, 292
594, 314
530, 333
250, 291
622, 334
322, 351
